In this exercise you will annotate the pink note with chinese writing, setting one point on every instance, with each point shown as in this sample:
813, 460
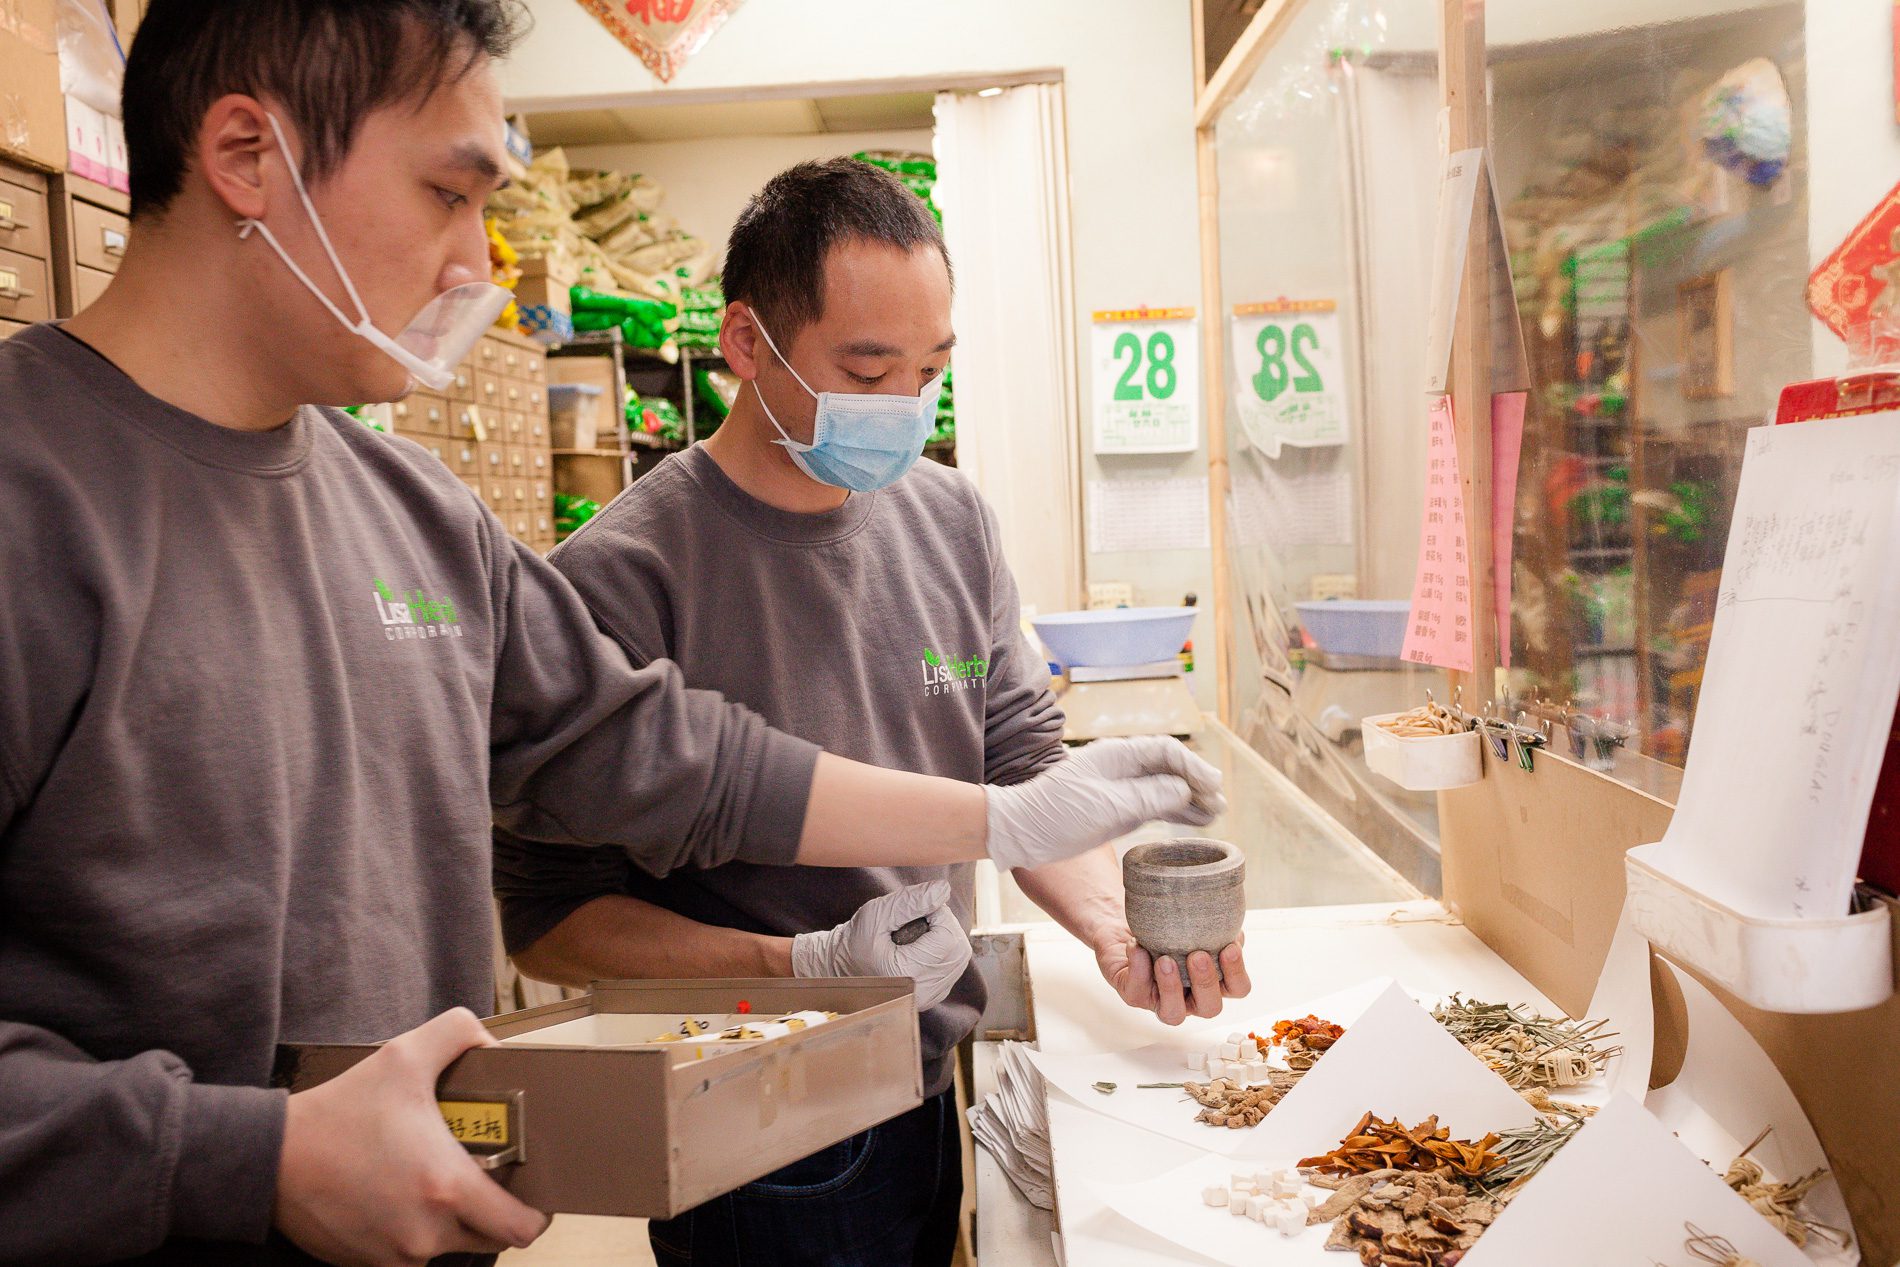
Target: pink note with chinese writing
1507, 447
1439, 632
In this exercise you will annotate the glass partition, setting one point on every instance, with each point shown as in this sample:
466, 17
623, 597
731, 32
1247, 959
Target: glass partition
1654, 182
1328, 173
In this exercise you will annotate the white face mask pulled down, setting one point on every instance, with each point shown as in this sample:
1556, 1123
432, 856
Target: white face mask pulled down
435, 341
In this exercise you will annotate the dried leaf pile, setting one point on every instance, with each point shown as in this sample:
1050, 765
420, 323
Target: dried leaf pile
1525, 1049
1236, 1105
1305, 1040
1375, 1145
1526, 1151
1394, 1218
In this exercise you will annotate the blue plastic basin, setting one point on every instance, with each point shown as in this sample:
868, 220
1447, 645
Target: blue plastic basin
1121, 636
1357, 626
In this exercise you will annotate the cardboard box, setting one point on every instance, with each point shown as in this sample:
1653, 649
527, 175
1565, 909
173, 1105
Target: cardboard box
118, 156
597, 477
591, 1118
87, 153
597, 370
32, 108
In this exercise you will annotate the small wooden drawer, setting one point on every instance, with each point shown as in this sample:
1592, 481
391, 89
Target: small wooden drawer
26, 288
465, 456
438, 447
99, 236
463, 388
88, 285
488, 390
10, 328
23, 225
514, 395
487, 355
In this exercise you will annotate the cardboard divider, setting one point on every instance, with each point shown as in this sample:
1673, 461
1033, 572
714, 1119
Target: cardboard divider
1534, 866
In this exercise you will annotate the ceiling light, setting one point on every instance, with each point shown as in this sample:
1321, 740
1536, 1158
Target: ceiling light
990, 92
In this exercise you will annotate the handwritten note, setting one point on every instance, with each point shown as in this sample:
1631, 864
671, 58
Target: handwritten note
1440, 629
1303, 499
1803, 669
1164, 514
1507, 448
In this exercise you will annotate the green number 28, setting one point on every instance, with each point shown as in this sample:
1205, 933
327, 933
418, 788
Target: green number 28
1273, 347
1162, 376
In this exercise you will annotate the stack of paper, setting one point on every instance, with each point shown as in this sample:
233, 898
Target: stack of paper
1013, 1123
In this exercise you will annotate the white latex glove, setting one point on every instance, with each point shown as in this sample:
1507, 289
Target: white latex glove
862, 945
1107, 789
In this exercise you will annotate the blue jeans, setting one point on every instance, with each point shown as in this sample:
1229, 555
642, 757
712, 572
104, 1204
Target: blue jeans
886, 1198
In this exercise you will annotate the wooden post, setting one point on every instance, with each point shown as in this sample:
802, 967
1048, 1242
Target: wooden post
1214, 398
1462, 81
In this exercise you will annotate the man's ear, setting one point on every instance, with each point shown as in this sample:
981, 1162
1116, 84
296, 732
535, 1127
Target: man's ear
235, 148
740, 342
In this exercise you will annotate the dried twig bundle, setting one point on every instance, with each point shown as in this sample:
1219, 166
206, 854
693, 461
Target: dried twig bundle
1525, 1049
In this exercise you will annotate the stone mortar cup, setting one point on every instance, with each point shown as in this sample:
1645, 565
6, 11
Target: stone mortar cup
1185, 895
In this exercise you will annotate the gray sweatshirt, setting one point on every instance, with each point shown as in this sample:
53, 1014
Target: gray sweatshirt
257, 694
887, 630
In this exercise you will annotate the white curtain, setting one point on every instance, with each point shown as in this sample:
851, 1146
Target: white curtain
1003, 184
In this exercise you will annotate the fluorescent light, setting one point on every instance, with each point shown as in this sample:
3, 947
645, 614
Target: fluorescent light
990, 92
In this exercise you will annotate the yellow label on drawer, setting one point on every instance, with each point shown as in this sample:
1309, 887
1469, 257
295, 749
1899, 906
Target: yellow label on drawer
9, 280
476, 1121
6, 210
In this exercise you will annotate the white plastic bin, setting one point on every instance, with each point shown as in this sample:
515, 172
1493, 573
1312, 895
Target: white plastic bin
1429, 764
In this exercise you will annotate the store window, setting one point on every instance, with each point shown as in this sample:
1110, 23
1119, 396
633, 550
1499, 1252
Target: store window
1654, 188
1327, 168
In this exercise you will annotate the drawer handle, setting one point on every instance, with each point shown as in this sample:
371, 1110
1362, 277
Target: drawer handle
113, 241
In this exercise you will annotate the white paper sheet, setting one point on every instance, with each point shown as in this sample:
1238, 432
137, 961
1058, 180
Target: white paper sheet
1134, 514
1169, 1112
1304, 498
1728, 1090
1624, 998
1620, 1193
1396, 1061
1798, 693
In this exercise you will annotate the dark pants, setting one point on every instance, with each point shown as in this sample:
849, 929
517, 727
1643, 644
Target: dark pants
885, 1198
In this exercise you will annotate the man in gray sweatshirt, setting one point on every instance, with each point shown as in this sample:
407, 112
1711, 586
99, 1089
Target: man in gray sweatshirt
266, 675
803, 561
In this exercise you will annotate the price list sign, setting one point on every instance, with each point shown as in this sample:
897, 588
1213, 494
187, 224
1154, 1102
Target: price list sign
1290, 368
1439, 632
1146, 379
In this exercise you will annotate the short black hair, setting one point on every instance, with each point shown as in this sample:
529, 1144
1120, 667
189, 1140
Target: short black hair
775, 258
329, 62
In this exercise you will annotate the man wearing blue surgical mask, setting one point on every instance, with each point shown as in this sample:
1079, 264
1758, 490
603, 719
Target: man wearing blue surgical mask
269, 678
804, 561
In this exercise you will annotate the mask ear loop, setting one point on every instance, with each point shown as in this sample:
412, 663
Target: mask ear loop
362, 323
781, 358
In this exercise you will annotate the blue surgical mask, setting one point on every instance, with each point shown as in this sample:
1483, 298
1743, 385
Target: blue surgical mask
862, 442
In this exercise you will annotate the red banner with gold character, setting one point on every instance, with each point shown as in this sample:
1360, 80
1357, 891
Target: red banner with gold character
663, 34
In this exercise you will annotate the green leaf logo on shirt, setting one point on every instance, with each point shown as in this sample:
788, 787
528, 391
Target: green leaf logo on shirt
415, 615
941, 675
